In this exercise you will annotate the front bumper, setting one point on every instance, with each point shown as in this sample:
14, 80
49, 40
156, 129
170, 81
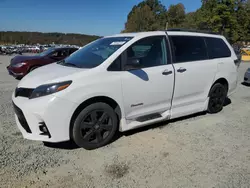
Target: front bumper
17, 72
49, 111
12, 73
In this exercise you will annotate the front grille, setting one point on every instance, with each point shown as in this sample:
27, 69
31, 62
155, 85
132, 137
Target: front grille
21, 118
245, 79
23, 92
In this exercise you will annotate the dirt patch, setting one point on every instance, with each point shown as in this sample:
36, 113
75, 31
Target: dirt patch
17, 134
165, 154
117, 170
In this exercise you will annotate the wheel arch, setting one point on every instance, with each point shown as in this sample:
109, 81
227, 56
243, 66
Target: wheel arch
92, 100
222, 81
32, 66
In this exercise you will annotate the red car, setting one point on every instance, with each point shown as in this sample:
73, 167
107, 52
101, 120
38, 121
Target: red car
22, 65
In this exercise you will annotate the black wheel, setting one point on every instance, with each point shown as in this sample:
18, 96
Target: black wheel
217, 96
19, 78
33, 68
95, 126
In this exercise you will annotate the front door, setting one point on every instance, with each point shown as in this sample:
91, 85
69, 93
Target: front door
148, 90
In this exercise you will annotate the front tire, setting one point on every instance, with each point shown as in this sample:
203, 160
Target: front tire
95, 126
217, 96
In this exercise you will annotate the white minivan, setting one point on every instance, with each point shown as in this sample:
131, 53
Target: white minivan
125, 81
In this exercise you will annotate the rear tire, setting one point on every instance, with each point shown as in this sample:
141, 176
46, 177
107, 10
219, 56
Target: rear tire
217, 96
95, 126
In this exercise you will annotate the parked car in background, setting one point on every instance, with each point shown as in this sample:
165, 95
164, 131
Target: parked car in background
22, 65
123, 82
10, 50
247, 77
1, 50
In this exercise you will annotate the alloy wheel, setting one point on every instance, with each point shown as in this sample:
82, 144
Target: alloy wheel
96, 126
217, 98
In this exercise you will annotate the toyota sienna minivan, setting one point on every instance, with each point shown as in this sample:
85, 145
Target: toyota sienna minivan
125, 81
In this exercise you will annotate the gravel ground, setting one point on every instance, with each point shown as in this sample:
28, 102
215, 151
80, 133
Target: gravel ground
198, 151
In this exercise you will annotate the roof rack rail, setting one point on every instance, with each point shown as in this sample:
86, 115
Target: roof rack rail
192, 30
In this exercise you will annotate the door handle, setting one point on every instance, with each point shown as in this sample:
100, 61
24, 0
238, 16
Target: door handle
181, 70
167, 72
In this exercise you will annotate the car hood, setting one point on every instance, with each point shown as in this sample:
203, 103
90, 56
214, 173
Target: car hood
48, 74
22, 58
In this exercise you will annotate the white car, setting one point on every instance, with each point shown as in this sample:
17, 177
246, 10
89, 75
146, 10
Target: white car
123, 82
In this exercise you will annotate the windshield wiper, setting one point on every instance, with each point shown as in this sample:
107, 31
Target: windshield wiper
70, 64
61, 62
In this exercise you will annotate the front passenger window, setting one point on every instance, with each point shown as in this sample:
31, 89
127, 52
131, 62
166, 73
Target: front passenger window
148, 52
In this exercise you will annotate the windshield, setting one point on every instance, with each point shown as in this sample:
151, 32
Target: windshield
95, 53
46, 52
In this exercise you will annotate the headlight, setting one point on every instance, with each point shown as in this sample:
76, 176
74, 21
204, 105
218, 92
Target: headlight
18, 65
48, 89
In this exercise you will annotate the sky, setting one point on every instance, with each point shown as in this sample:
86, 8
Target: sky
94, 17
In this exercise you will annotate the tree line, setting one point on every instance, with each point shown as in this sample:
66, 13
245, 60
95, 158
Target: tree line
11, 37
230, 18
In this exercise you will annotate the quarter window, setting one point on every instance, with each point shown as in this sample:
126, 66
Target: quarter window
217, 48
189, 48
116, 65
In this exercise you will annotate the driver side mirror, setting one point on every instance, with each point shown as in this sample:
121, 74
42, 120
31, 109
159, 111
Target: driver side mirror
133, 64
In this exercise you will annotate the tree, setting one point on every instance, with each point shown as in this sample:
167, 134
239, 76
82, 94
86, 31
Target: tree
9, 37
146, 16
190, 21
176, 15
243, 20
142, 19
230, 18
219, 16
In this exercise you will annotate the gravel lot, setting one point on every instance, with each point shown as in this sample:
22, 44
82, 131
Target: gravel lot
198, 151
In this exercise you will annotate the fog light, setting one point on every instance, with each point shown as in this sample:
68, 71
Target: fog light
43, 128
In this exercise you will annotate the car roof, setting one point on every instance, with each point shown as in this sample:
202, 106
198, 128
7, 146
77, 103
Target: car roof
137, 34
64, 47
170, 33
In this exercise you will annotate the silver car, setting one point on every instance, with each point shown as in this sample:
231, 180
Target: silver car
247, 76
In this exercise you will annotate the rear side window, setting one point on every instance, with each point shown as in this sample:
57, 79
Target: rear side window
217, 48
189, 48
